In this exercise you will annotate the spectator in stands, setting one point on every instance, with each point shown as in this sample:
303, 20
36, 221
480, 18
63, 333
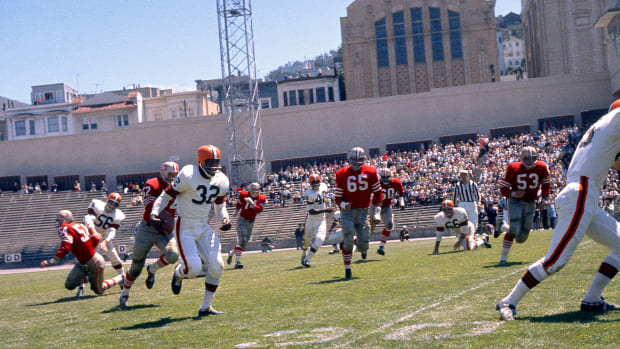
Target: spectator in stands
37, 188
404, 234
104, 189
44, 186
77, 186
93, 187
54, 188
267, 245
30, 188
15, 187
24, 189
299, 236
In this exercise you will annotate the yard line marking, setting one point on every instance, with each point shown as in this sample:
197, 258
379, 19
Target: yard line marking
445, 300
484, 327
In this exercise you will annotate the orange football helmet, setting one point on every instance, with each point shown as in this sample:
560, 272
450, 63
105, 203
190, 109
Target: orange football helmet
614, 105
208, 159
447, 206
114, 200
315, 181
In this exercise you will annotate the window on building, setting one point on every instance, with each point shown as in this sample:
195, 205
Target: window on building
48, 96
122, 120
500, 40
383, 59
67, 100
292, 98
320, 94
300, 93
265, 103
285, 97
436, 37
64, 124
399, 38
311, 94
32, 128
330, 93
20, 128
417, 28
52, 124
456, 50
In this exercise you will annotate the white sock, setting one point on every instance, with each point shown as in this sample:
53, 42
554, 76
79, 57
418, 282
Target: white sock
310, 254
207, 299
596, 288
517, 293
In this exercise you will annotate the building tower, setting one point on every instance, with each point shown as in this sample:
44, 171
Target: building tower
240, 103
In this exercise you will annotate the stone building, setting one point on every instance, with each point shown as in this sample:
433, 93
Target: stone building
396, 47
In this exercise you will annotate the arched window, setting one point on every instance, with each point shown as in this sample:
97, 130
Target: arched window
456, 49
399, 37
436, 37
417, 29
383, 59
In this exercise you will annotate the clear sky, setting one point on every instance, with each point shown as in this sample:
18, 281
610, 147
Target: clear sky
105, 45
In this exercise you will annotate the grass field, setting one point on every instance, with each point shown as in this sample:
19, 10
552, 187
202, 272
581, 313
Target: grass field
407, 298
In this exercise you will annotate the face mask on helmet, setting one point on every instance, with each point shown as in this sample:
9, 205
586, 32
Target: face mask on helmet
447, 207
63, 217
209, 159
315, 182
356, 158
254, 189
385, 175
529, 157
114, 200
168, 171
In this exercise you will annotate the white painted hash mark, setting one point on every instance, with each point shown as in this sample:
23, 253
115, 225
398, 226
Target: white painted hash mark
483, 327
246, 345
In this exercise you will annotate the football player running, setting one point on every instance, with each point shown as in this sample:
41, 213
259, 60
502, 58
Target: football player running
455, 219
316, 223
106, 218
579, 214
355, 185
521, 184
198, 189
149, 233
392, 188
81, 241
249, 204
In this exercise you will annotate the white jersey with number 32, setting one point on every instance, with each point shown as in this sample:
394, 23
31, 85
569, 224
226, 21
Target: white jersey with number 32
197, 194
455, 222
597, 150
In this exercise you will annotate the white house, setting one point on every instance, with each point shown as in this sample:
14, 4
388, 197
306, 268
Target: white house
514, 52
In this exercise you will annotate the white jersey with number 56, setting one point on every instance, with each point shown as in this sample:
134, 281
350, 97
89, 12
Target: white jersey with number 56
597, 150
457, 223
197, 194
103, 220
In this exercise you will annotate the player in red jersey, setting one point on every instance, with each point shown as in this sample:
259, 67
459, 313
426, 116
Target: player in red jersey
149, 233
81, 241
355, 185
250, 203
521, 184
392, 188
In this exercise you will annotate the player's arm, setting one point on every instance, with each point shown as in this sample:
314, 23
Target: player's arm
339, 193
377, 196
65, 247
546, 182
259, 204
219, 206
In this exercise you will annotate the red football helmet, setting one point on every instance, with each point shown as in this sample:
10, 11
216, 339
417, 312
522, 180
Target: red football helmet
254, 189
64, 217
114, 200
168, 171
447, 206
529, 156
315, 181
356, 158
208, 159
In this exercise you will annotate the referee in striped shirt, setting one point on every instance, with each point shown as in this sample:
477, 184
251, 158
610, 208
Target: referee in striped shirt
468, 197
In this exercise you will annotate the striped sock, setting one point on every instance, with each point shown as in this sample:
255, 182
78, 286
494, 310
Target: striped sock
160, 263
112, 282
238, 252
346, 258
127, 284
386, 235
119, 269
207, 299
506, 245
605, 273
311, 253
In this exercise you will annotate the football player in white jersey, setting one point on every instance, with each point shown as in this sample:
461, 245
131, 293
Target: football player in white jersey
455, 219
106, 218
198, 188
316, 223
579, 214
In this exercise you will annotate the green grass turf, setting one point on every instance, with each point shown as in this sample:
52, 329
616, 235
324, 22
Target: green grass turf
408, 298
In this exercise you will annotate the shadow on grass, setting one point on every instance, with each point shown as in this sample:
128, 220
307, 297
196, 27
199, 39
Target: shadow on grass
509, 264
131, 307
154, 324
335, 279
448, 252
361, 261
571, 316
64, 300
297, 268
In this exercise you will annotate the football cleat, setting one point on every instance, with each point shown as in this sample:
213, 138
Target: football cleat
486, 242
305, 263
238, 265
150, 279
124, 301
502, 263
364, 254
209, 311
334, 251
347, 274
381, 251
497, 233
176, 284
229, 259
507, 311
598, 307
80, 292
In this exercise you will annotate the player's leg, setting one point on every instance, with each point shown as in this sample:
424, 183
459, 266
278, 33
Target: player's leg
362, 230
605, 230
575, 211
141, 247
209, 249
348, 232
115, 260
244, 231
75, 277
388, 221
170, 254
528, 210
438, 238
317, 239
515, 216
309, 229
94, 270
187, 231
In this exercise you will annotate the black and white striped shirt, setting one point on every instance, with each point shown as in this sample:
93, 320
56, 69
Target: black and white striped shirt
466, 192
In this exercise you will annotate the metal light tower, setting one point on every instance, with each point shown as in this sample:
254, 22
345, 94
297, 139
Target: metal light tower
240, 104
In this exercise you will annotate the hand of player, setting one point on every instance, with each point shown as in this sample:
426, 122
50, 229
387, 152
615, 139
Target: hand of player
156, 223
103, 245
44, 263
347, 207
517, 194
226, 220
95, 235
226, 225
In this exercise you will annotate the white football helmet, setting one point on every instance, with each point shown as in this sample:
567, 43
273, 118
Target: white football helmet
64, 217
529, 156
385, 175
168, 171
356, 158
254, 189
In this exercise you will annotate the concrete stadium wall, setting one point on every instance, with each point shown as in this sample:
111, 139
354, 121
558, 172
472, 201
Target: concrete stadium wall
318, 129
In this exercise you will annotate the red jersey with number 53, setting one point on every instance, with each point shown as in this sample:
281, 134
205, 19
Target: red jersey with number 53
357, 187
245, 210
76, 238
390, 190
152, 189
518, 177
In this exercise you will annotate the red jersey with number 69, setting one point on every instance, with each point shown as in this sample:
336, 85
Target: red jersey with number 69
518, 177
357, 187
390, 190
77, 240
245, 210
152, 189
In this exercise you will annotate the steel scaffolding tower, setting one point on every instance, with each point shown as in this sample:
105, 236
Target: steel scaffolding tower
240, 85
